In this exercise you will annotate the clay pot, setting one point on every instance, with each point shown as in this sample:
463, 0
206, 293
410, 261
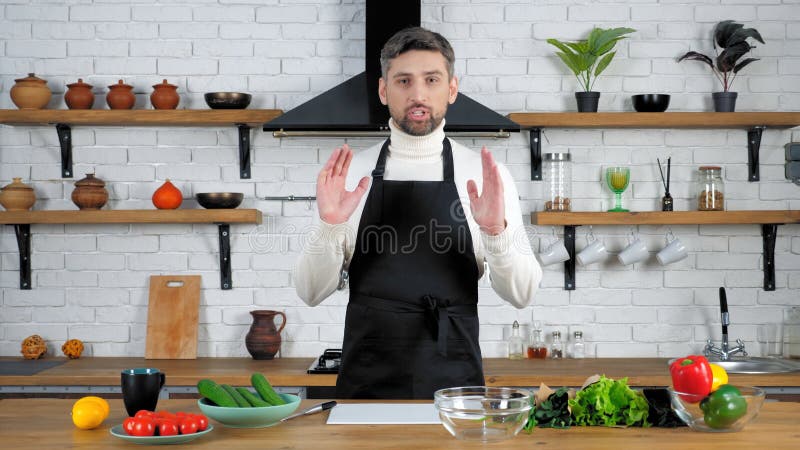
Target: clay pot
167, 196
30, 92
263, 340
165, 96
79, 95
90, 193
17, 196
120, 96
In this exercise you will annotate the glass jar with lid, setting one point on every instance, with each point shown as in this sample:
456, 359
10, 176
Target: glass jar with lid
557, 174
710, 189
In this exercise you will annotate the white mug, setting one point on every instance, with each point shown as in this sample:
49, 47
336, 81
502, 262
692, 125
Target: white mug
635, 252
553, 253
673, 252
594, 251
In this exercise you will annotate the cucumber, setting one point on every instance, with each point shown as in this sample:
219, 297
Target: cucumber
251, 398
265, 390
214, 392
237, 397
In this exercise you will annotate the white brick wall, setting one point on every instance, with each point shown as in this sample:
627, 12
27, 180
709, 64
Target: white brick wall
91, 281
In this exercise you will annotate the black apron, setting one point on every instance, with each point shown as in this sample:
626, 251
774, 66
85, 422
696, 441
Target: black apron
412, 321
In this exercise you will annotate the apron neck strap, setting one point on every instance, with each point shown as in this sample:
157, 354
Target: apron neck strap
447, 160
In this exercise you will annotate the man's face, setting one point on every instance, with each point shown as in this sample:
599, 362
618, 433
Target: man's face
417, 91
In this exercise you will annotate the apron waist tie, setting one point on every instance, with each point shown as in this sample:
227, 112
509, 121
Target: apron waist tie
438, 310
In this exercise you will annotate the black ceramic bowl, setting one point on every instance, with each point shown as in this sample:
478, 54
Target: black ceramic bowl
228, 100
220, 200
650, 102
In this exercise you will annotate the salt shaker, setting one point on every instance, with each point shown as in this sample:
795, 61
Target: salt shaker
515, 343
578, 347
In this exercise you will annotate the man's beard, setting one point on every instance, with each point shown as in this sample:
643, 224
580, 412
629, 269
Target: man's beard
419, 128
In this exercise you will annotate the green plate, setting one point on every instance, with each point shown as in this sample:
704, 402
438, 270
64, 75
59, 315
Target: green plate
260, 417
158, 440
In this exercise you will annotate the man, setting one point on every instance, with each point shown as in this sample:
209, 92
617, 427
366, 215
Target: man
411, 248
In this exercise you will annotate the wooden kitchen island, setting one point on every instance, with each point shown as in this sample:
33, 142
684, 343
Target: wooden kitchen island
28, 424
90, 371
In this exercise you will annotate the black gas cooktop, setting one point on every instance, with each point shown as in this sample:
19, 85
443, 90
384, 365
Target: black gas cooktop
328, 362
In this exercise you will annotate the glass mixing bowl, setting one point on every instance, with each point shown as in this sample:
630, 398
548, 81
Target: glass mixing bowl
481, 413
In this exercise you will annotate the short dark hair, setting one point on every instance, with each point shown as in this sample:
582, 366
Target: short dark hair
416, 38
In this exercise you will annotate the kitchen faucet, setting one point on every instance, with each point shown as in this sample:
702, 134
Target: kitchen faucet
723, 352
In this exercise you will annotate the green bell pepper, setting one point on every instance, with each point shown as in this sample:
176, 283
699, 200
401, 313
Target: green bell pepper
723, 407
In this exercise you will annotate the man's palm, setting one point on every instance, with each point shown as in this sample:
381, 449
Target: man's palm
336, 204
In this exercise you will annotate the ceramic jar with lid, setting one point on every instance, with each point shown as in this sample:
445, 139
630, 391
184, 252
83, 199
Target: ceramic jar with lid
165, 96
710, 189
79, 95
90, 193
17, 196
120, 96
30, 92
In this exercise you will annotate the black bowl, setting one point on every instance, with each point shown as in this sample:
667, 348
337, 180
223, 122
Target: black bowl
220, 200
650, 102
228, 100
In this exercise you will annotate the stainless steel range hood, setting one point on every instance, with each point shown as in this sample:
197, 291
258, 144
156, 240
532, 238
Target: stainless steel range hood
353, 107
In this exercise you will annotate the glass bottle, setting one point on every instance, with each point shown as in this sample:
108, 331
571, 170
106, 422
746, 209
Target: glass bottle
515, 343
557, 174
557, 347
536, 346
710, 189
578, 347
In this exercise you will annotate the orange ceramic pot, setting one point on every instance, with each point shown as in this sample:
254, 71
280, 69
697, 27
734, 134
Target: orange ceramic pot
30, 92
17, 196
79, 95
120, 96
90, 193
165, 96
167, 196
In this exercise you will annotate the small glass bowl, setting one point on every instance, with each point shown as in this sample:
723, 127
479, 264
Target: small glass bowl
481, 413
692, 415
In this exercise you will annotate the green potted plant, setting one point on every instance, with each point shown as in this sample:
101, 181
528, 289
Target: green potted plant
587, 59
731, 38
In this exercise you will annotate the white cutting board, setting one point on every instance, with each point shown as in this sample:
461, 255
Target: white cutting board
383, 414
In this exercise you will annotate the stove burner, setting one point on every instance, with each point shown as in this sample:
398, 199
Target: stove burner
327, 363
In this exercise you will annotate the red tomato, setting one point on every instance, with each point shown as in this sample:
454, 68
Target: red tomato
166, 415
144, 426
166, 428
144, 413
202, 422
189, 425
127, 425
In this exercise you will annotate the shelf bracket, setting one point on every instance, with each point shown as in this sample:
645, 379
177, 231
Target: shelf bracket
65, 140
569, 265
536, 154
226, 282
753, 147
244, 150
23, 232
769, 233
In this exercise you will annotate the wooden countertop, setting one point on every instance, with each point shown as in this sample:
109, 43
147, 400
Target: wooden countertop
292, 372
27, 424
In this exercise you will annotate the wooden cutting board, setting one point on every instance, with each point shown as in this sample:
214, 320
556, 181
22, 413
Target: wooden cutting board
172, 315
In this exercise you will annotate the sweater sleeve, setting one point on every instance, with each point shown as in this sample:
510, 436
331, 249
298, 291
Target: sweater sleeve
514, 272
317, 271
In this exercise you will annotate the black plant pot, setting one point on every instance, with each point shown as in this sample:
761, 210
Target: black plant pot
587, 101
724, 101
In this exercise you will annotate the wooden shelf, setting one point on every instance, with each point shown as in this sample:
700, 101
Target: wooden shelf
666, 218
22, 221
754, 122
65, 119
140, 117
133, 216
657, 120
769, 221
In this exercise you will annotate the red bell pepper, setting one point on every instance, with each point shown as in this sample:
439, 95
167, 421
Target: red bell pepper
692, 375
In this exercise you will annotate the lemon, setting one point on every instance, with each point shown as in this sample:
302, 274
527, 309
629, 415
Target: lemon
720, 376
87, 416
101, 402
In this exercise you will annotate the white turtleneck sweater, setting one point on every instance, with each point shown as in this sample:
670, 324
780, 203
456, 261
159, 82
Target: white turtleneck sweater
327, 249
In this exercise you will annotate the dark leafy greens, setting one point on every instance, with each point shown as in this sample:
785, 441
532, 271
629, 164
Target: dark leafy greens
609, 403
551, 413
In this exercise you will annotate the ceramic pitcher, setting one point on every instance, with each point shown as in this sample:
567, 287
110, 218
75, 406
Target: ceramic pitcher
264, 340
